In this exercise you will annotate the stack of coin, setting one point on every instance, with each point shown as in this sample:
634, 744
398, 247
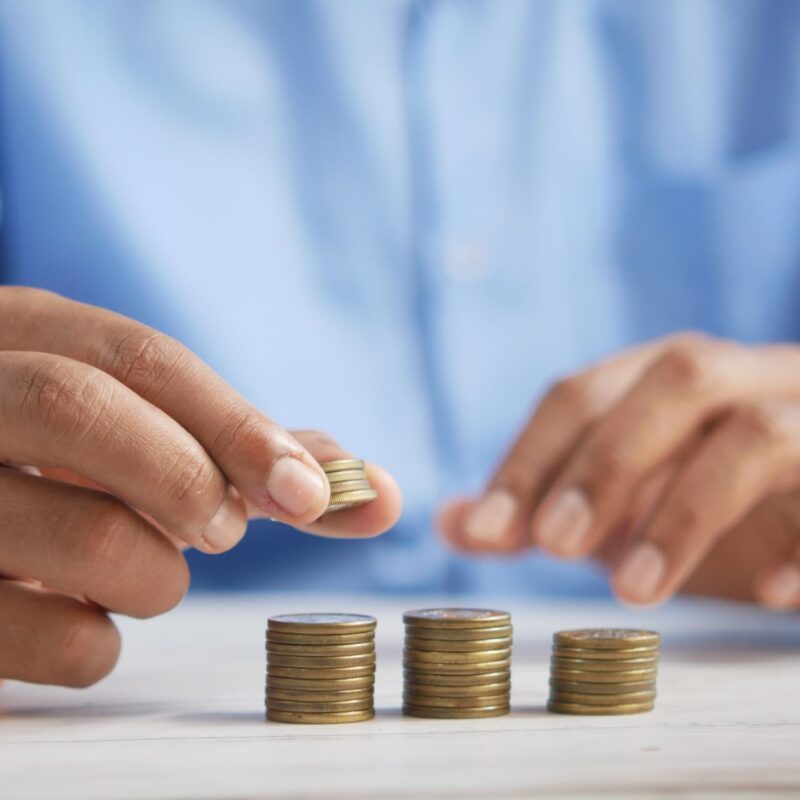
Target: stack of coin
457, 663
320, 668
350, 486
603, 671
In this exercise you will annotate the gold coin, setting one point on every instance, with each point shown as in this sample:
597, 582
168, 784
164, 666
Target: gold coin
436, 679
436, 645
602, 688
575, 708
440, 657
607, 655
602, 666
330, 650
455, 713
325, 662
606, 638
342, 464
320, 674
602, 699
346, 475
297, 696
350, 486
486, 689
318, 639
454, 702
322, 623
584, 676
457, 669
351, 498
324, 707
460, 634
456, 618
327, 685
334, 718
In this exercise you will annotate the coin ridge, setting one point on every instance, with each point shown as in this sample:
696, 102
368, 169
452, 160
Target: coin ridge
599, 711
606, 638
481, 618
465, 646
431, 712
336, 718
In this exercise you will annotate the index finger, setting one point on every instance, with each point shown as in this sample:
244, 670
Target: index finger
269, 467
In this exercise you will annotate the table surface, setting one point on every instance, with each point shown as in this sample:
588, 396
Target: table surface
182, 716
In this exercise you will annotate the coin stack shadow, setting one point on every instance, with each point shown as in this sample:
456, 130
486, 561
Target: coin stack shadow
603, 671
350, 486
457, 663
320, 668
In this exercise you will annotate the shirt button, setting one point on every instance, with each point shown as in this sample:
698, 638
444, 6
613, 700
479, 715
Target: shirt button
465, 261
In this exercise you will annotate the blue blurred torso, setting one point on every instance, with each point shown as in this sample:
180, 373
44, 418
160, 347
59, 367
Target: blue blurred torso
399, 221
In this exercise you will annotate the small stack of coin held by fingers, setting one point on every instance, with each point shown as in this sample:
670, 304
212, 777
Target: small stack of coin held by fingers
603, 671
320, 668
350, 486
457, 663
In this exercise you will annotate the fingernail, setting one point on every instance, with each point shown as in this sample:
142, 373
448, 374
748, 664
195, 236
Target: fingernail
295, 486
491, 517
564, 528
782, 589
639, 574
227, 526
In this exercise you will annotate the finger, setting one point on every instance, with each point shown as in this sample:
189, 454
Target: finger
778, 587
49, 638
753, 452
368, 520
690, 382
55, 411
270, 468
451, 524
500, 519
85, 543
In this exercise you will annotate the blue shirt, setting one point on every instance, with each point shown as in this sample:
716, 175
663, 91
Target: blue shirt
400, 221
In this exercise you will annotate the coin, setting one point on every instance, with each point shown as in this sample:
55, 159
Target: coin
329, 650
432, 701
603, 666
477, 668
426, 656
602, 699
435, 679
575, 708
340, 476
584, 676
602, 688
486, 689
441, 646
455, 713
606, 638
460, 634
350, 486
320, 685
357, 497
319, 707
456, 618
322, 623
334, 718
326, 662
625, 654
316, 638
320, 673
342, 464
297, 696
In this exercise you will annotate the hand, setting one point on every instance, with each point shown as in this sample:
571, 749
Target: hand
652, 459
167, 455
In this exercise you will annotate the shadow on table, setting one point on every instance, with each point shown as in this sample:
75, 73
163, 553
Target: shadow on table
83, 712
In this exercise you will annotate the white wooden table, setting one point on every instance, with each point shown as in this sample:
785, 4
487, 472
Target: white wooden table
182, 717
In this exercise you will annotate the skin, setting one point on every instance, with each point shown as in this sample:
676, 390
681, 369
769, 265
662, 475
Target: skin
119, 448
676, 463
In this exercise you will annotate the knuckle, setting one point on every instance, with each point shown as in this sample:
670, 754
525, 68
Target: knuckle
684, 364
144, 358
192, 481
573, 393
58, 397
758, 422
88, 650
107, 543
684, 515
243, 432
606, 464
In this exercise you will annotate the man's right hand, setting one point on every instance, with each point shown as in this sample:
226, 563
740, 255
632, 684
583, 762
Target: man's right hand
168, 456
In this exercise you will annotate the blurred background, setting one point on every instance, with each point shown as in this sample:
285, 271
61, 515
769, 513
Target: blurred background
400, 221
